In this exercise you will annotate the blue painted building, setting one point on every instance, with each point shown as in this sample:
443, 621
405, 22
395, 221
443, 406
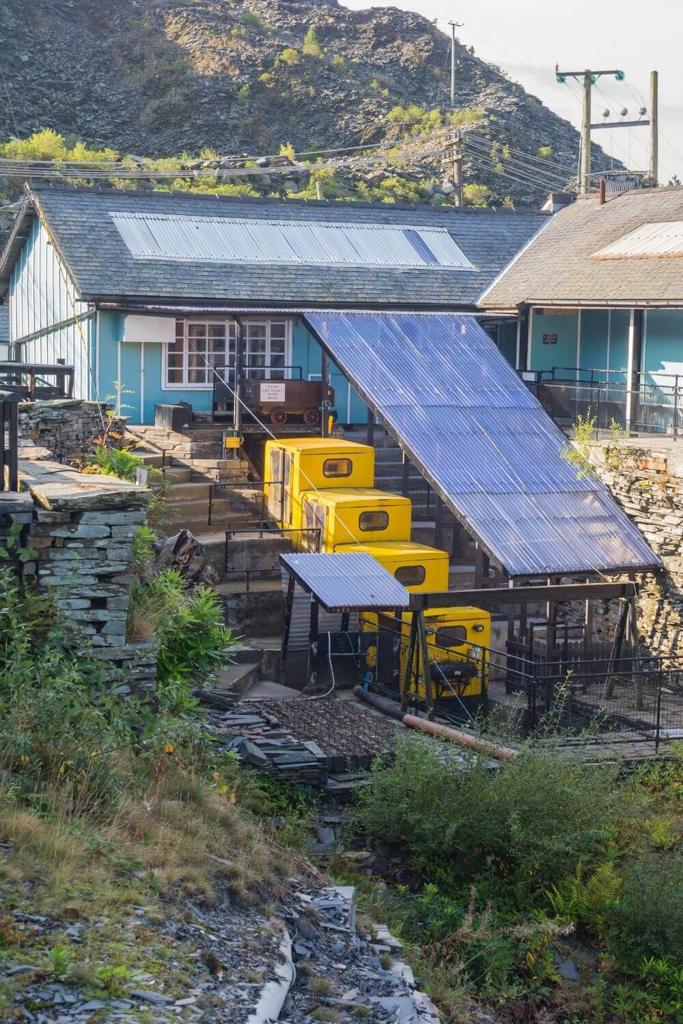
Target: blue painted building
599, 293
140, 290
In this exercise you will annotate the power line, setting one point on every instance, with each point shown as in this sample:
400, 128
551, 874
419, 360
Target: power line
551, 178
543, 163
548, 178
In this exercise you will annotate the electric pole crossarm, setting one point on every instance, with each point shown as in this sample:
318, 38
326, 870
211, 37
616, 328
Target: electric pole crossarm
622, 124
580, 74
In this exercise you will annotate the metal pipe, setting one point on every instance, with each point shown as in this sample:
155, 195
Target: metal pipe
463, 739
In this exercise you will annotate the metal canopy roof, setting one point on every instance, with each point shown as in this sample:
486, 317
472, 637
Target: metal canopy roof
219, 240
477, 434
343, 583
664, 239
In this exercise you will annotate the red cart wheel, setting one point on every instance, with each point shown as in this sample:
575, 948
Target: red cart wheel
312, 417
278, 416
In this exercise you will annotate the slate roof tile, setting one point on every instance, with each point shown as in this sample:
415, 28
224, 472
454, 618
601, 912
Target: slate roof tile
104, 269
558, 267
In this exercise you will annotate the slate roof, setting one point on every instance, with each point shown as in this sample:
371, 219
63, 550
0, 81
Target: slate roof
104, 269
559, 267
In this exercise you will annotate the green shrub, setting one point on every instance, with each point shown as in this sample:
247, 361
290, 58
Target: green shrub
50, 145
338, 61
60, 724
647, 920
121, 462
289, 56
514, 831
476, 195
188, 625
312, 47
252, 19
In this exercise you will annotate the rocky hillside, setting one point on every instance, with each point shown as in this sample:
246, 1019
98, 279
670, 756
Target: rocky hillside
159, 77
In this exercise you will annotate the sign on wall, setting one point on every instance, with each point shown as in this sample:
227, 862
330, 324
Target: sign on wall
550, 339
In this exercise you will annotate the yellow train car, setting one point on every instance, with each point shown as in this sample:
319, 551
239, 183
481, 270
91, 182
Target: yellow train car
297, 465
354, 515
458, 643
419, 568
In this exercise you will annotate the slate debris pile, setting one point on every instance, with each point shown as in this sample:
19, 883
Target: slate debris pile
342, 968
260, 741
301, 741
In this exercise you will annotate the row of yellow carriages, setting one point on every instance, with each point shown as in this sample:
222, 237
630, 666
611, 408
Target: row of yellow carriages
322, 490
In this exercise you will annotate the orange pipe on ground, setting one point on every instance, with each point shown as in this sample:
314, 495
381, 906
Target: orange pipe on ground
462, 738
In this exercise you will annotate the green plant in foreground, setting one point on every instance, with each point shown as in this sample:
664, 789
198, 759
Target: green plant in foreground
578, 453
121, 462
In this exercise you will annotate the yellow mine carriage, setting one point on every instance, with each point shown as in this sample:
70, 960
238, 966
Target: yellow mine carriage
458, 643
354, 515
419, 568
299, 465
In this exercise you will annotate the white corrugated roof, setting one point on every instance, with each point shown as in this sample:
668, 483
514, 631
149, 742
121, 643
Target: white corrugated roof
663, 239
223, 240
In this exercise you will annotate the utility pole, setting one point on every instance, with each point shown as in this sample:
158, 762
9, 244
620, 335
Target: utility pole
588, 79
453, 162
454, 25
654, 128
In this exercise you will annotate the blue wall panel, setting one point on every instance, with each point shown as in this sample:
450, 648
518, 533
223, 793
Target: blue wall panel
594, 337
663, 345
563, 353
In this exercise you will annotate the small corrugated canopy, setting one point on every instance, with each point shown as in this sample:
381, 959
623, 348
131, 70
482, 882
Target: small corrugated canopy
483, 441
344, 583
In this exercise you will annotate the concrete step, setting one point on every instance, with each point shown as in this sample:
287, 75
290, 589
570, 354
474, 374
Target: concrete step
238, 678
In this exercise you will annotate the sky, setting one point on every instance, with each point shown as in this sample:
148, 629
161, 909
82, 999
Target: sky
526, 38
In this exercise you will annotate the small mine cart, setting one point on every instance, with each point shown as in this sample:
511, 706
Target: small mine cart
284, 400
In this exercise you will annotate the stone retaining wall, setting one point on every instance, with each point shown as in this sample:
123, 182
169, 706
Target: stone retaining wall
81, 528
66, 427
648, 484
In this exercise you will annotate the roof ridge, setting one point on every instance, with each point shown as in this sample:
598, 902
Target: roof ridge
167, 194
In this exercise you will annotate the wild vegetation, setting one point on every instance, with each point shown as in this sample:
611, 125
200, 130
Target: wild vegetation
549, 889
108, 804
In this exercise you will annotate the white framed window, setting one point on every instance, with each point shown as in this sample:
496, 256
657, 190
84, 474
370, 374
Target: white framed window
200, 346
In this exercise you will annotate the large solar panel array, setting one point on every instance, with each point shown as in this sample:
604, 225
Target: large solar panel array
482, 440
235, 240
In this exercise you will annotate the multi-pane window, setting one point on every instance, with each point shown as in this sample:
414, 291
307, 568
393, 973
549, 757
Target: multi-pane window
265, 348
201, 346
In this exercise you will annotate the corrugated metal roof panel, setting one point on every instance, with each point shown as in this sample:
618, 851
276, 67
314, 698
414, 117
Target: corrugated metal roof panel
332, 243
347, 582
482, 440
663, 239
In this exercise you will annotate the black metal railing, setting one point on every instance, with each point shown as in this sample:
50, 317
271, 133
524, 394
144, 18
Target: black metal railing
9, 442
244, 561
653, 405
562, 692
28, 380
248, 498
